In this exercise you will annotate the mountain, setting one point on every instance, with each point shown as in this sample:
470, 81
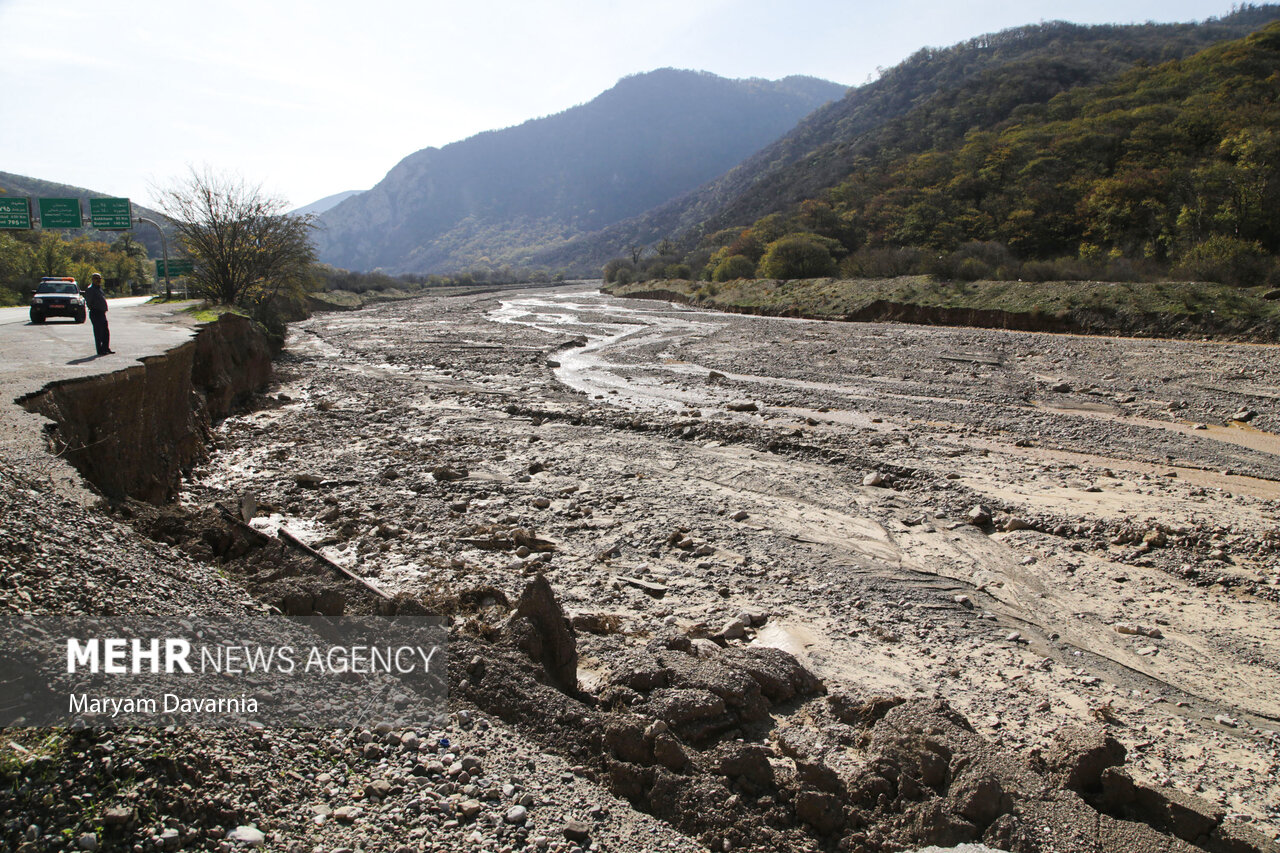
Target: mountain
931, 99
498, 197
20, 185
328, 202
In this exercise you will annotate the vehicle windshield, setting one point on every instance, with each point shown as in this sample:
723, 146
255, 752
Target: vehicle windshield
58, 287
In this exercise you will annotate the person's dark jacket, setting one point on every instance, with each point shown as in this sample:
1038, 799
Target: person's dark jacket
95, 299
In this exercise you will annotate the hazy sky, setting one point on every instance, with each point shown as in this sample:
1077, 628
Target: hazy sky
313, 98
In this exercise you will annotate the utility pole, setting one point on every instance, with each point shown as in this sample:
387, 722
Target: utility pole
164, 248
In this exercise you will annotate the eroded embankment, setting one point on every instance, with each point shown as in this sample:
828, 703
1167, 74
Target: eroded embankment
1080, 321
134, 432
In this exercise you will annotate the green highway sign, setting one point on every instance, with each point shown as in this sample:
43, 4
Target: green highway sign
180, 266
110, 214
60, 213
15, 213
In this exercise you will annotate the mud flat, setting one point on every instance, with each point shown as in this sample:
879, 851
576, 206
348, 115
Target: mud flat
736, 582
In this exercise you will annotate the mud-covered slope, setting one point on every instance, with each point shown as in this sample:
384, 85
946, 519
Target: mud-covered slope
134, 432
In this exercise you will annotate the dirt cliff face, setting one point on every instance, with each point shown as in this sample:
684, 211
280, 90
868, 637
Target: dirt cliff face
134, 432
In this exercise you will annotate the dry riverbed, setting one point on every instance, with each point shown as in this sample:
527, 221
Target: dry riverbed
1039, 529
974, 537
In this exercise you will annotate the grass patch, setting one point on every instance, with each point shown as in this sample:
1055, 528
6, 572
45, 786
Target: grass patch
1163, 308
203, 312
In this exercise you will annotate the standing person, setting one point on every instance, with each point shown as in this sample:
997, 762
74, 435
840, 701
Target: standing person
96, 301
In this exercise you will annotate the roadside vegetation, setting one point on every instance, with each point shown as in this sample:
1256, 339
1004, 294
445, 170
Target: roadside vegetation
26, 256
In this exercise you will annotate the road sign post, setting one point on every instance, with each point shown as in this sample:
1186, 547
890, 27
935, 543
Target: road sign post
15, 213
164, 247
61, 213
111, 214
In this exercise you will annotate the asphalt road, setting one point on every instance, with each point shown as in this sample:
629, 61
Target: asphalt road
32, 356
60, 348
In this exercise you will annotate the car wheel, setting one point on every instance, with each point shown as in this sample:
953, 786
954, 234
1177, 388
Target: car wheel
79, 318
37, 318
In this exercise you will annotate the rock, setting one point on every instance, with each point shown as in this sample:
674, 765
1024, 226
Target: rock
1061, 387
250, 836
657, 590
378, 789
576, 831
445, 474
964, 601
873, 478
740, 515
734, 629
714, 376
978, 515
346, 814
1013, 522
1244, 415
540, 628
1135, 629
516, 815
87, 841
117, 816
1079, 755
742, 406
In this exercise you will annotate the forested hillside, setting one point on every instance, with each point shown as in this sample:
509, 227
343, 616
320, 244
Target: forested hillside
930, 101
497, 197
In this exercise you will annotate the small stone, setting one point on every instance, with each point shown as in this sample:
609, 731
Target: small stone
1061, 387
1134, 629
248, 835
516, 815
378, 789
119, 816
346, 814
740, 515
978, 515
873, 478
576, 831
1244, 415
88, 841
1224, 720
469, 808
742, 406
734, 629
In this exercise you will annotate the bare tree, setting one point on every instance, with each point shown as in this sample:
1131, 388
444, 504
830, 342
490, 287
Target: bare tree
246, 249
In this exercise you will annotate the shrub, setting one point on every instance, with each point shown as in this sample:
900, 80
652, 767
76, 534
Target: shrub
1226, 260
882, 263
613, 267
797, 257
734, 267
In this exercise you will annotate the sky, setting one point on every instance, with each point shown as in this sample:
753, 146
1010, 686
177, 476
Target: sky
308, 99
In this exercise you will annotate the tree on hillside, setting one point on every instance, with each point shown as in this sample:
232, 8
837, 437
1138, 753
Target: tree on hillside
246, 249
